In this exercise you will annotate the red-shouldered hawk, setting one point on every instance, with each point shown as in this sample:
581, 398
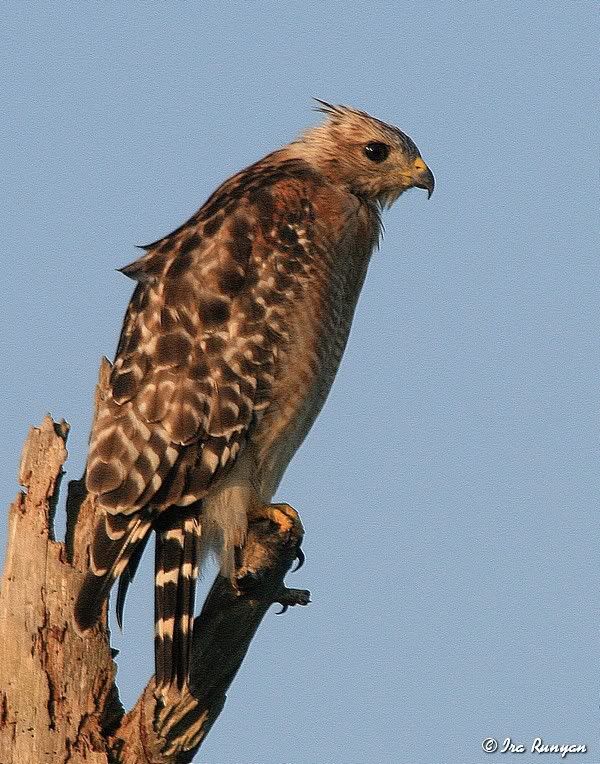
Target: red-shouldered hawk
229, 347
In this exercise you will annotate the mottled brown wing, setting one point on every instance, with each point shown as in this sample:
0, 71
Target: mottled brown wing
200, 343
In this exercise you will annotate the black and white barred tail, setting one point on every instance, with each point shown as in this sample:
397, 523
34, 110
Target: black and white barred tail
116, 550
176, 573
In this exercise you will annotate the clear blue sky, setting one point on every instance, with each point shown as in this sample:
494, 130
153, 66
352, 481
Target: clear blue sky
450, 487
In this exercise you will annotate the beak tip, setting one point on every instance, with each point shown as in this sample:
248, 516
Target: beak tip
429, 183
426, 181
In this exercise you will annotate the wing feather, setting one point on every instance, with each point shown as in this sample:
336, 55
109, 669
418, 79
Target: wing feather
197, 356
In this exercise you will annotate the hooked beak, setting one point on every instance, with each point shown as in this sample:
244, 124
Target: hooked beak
423, 177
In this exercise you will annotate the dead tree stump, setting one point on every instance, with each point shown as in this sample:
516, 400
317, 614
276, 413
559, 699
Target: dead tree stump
58, 698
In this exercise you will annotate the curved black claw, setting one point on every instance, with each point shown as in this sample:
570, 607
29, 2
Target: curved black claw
282, 611
301, 557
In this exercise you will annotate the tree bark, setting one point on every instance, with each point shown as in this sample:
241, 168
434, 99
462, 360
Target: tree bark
58, 698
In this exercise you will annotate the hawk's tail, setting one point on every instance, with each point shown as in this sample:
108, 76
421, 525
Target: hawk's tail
116, 539
176, 573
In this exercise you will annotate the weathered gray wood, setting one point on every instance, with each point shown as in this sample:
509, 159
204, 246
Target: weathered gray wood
58, 699
55, 687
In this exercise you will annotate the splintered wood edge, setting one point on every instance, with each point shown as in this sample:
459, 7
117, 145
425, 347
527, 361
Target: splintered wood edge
40, 470
45, 706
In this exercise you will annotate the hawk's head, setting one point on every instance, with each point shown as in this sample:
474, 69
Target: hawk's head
374, 160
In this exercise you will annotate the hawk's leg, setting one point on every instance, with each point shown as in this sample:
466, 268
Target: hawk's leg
278, 523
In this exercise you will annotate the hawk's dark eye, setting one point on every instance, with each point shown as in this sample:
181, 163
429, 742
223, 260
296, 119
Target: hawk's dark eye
377, 152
